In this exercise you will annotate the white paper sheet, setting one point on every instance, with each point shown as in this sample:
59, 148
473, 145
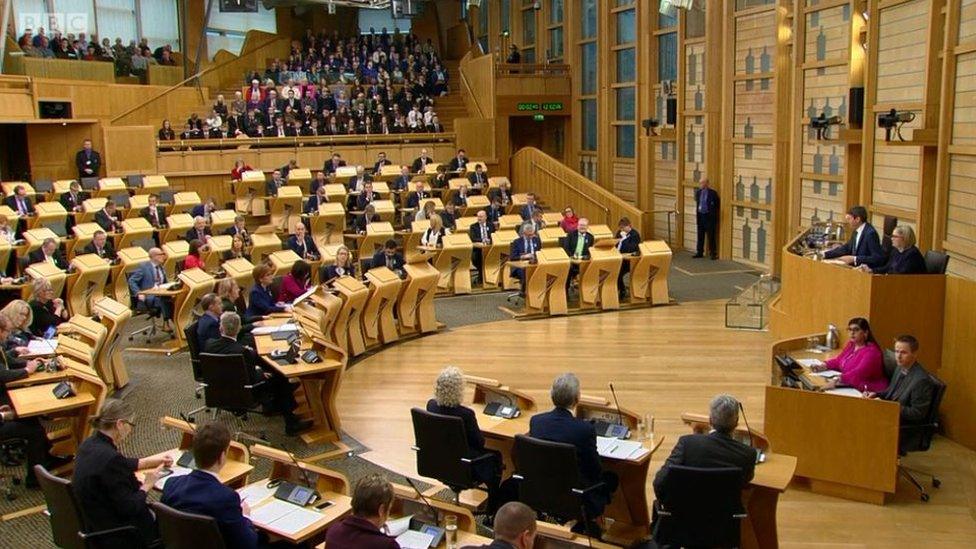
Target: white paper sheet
42, 346
271, 511
267, 330
411, 539
297, 520
177, 472
845, 391
255, 492
808, 362
616, 448
395, 527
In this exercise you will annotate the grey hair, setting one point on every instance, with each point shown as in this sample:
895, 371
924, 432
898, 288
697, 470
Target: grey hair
723, 413
230, 324
565, 391
40, 284
449, 387
907, 234
528, 227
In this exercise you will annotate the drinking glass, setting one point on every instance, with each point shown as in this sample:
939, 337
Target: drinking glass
450, 531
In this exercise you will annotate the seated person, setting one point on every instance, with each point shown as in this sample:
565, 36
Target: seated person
860, 362
561, 425
904, 257
101, 246
296, 282
154, 213
208, 326
449, 216
371, 502
303, 244
628, 240
514, 527
495, 211
20, 203
49, 252
448, 395
18, 313
277, 386
478, 178
569, 222
434, 234
199, 231
715, 449
912, 388
402, 181
193, 259
48, 311
864, 246
441, 179
262, 302
148, 275
502, 193
239, 228
460, 199
390, 258
237, 250
104, 481
316, 200
367, 196
577, 245
204, 210
362, 220
276, 182
107, 218
420, 193
524, 248
202, 493
343, 266
426, 212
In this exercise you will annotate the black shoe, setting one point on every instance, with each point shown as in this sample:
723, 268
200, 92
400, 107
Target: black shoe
697, 256
54, 462
295, 427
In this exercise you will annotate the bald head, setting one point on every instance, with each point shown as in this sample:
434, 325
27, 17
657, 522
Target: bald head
515, 523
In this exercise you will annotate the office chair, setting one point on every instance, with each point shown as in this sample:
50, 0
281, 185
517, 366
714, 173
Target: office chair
181, 530
549, 481
889, 364
11, 455
193, 347
151, 313
702, 507
443, 452
890, 222
134, 181
69, 529
227, 387
918, 438
89, 183
44, 186
936, 262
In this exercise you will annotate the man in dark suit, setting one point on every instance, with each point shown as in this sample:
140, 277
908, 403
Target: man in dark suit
205, 209
316, 200
524, 249
202, 493
715, 449
333, 163
20, 203
502, 193
529, 208
303, 244
277, 386
478, 178
514, 527
366, 196
153, 212
459, 163
577, 244
362, 220
402, 181
199, 231
480, 232
706, 213
420, 163
208, 327
494, 211
449, 216
371, 503
239, 228
389, 257
275, 183
413, 201
628, 240
318, 181
864, 246
107, 219
73, 199
88, 161
148, 275
101, 246
49, 252
561, 425
912, 388
380, 162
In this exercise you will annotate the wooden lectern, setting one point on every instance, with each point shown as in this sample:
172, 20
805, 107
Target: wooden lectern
49, 214
282, 261
54, 275
385, 210
176, 227
136, 231
196, 284
495, 256
249, 193
376, 236
411, 241
84, 232
114, 316
300, 177
176, 251
86, 283
5, 250
136, 204
545, 282
129, 259
286, 208
110, 186
152, 184
649, 273
509, 221
263, 245
598, 279
415, 306
328, 225
242, 271
550, 236
379, 326
335, 193
221, 220
475, 203
184, 202
347, 329
89, 208
34, 238
213, 254
453, 262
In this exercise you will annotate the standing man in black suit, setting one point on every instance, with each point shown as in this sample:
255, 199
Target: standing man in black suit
864, 246
715, 449
277, 385
706, 213
88, 161
577, 245
628, 240
480, 232
911, 387
561, 425
72, 202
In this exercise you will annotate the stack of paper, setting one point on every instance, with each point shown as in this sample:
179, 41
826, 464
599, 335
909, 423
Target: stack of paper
42, 346
177, 472
266, 330
255, 492
809, 362
845, 391
412, 539
284, 517
395, 527
619, 449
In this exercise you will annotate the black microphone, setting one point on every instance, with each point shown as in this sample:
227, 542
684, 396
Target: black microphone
620, 417
752, 443
434, 516
305, 477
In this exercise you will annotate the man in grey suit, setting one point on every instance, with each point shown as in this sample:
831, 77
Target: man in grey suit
911, 387
150, 275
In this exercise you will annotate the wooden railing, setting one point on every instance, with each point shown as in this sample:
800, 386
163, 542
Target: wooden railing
478, 84
558, 185
525, 69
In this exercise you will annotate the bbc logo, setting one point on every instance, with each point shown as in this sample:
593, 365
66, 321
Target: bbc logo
67, 23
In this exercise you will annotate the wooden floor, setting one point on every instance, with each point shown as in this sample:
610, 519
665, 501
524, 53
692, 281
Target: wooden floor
663, 361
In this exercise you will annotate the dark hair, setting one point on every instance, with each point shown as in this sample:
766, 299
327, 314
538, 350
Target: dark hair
390, 244
371, 492
195, 246
624, 222
209, 441
859, 212
300, 270
863, 324
260, 271
909, 339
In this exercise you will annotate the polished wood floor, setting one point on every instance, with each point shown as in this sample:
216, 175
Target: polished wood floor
662, 361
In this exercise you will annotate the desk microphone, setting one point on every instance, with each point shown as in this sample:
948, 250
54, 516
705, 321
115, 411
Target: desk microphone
620, 417
752, 442
305, 477
430, 508
620, 431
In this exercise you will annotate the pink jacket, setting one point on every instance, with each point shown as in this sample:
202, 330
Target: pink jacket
861, 368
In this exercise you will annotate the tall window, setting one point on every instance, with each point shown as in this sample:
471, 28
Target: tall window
155, 20
483, 25
505, 15
588, 81
528, 31
226, 31
555, 30
623, 19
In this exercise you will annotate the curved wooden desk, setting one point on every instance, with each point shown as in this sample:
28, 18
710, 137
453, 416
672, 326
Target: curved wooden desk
86, 283
347, 328
379, 326
129, 259
453, 261
649, 273
598, 279
415, 305
328, 225
114, 316
545, 282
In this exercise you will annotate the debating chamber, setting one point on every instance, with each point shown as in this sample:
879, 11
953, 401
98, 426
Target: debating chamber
502, 274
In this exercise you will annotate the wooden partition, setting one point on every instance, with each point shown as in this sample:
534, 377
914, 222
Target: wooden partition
160, 75
128, 150
52, 148
64, 69
478, 85
100, 100
227, 70
557, 185
16, 99
477, 137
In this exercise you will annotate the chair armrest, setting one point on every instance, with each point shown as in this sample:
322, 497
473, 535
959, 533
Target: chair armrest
254, 385
588, 489
130, 530
478, 459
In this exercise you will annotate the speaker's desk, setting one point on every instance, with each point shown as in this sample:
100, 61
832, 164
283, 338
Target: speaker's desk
39, 400
598, 278
234, 472
845, 446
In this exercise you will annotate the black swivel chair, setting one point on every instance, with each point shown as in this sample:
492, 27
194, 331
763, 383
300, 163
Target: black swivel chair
918, 438
702, 507
889, 364
193, 347
443, 452
227, 387
151, 313
548, 479
69, 529
181, 530
936, 262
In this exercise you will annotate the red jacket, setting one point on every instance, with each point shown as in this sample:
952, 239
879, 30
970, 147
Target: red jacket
358, 533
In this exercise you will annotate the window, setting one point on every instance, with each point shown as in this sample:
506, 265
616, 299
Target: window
625, 141
528, 33
588, 141
159, 22
626, 27
624, 79
587, 19
626, 65
667, 48
505, 14
483, 25
116, 18
155, 20
625, 103
555, 30
587, 45
227, 30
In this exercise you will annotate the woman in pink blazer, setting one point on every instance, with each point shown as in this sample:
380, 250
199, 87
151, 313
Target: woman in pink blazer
860, 362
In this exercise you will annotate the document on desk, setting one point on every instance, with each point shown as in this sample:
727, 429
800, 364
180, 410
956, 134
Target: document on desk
395, 527
42, 346
845, 391
255, 492
284, 517
177, 472
616, 448
167, 285
267, 330
412, 539
809, 362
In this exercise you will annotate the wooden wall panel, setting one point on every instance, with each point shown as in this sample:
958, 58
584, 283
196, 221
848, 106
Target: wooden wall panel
477, 137
967, 21
901, 52
62, 69
52, 148
960, 235
689, 218
104, 101
665, 166
625, 181
828, 34
964, 113
957, 368
695, 77
897, 172
129, 150
661, 219
164, 76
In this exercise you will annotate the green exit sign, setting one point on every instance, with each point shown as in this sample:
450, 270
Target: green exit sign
538, 117
547, 107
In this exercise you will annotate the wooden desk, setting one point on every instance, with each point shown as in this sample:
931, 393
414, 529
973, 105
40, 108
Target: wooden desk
379, 325
242, 271
184, 202
598, 279
453, 262
545, 282
407, 502
415, 304
84, 232
49, 215
286, 208
649, 273
234, 472
327, 226
264, 244
176, 226
347, 329
38, 400
86, 284
136, 231
494, 258
114, 316
129, 260
52, 273
221, 220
